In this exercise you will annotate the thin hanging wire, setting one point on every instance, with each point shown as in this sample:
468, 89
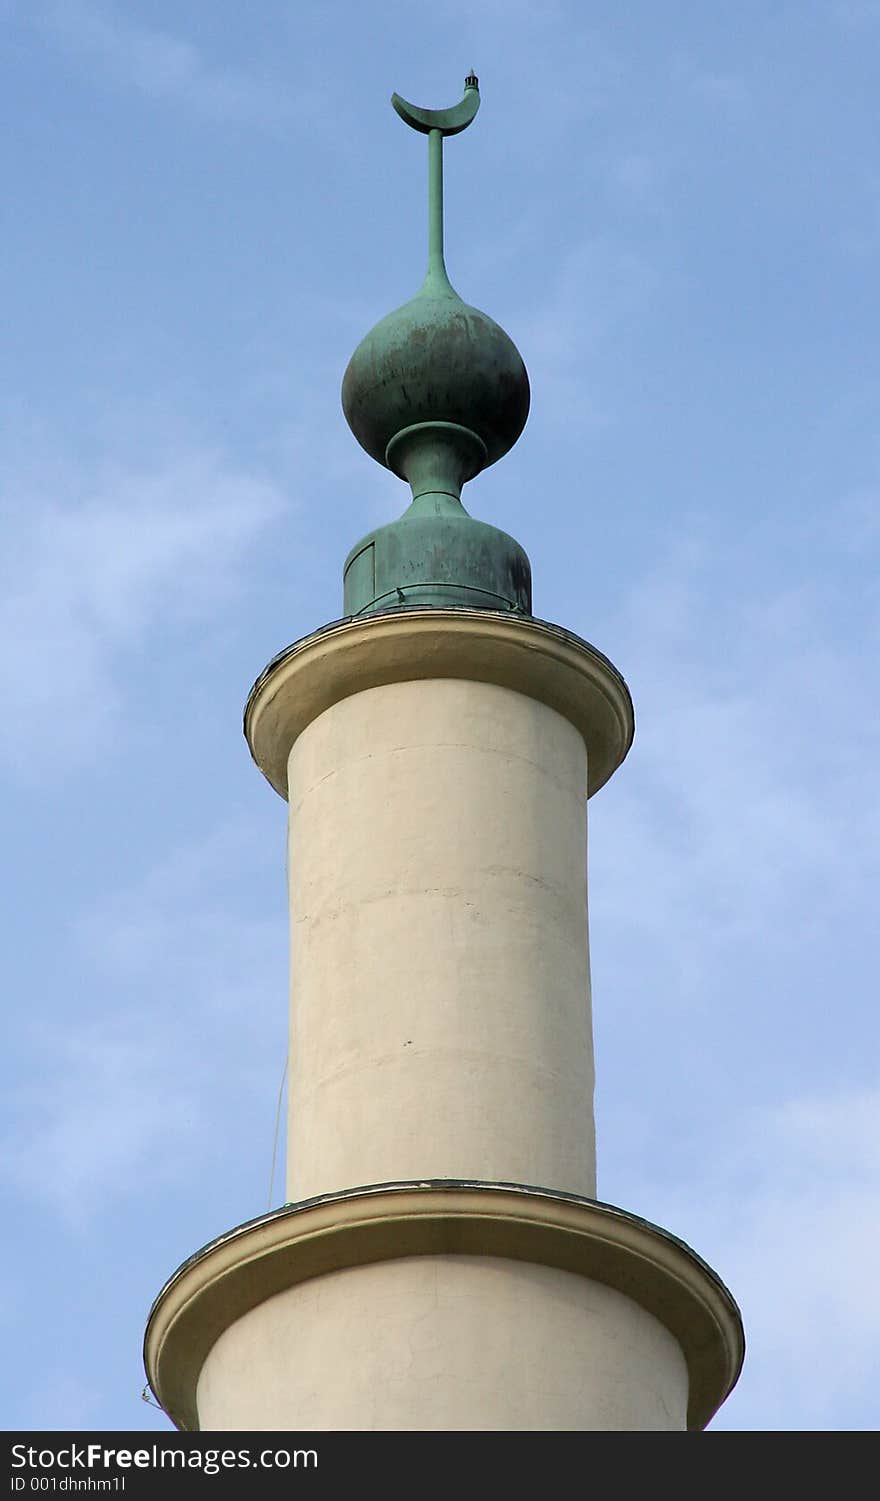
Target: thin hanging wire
277, 1126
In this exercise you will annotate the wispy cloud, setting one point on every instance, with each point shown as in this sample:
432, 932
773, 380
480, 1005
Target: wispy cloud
728, 92
793, 1211
103, 1111
744, 810
94, 564
733, 876
183, 1030
62, 1398
158, 64
640, 176
855, 14
598, 286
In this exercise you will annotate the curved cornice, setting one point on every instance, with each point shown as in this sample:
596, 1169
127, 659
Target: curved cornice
240, 1270
529, 656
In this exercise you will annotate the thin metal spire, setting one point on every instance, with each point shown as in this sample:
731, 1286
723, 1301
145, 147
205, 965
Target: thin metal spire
435, 124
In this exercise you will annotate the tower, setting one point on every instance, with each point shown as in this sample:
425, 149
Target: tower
442, 1262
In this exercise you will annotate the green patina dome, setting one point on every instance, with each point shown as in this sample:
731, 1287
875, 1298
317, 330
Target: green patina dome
436, 392
436, 359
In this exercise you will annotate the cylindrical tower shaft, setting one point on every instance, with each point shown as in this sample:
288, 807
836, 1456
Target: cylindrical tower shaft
440, 1009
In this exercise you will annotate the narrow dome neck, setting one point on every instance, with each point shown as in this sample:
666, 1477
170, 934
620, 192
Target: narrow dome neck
436, 459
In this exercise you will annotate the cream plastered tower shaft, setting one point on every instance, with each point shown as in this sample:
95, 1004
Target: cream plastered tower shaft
442, 1262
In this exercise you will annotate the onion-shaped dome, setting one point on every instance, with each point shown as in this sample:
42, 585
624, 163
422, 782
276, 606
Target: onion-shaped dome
436, 359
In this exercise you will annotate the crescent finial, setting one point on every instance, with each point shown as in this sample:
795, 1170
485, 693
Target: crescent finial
448, 121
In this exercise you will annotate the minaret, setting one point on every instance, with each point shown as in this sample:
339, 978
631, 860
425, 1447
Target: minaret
442, 1262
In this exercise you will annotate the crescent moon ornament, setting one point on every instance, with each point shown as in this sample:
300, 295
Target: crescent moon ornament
435, 124
448, 121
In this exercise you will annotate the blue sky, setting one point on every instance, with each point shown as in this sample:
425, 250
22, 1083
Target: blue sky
674, 210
